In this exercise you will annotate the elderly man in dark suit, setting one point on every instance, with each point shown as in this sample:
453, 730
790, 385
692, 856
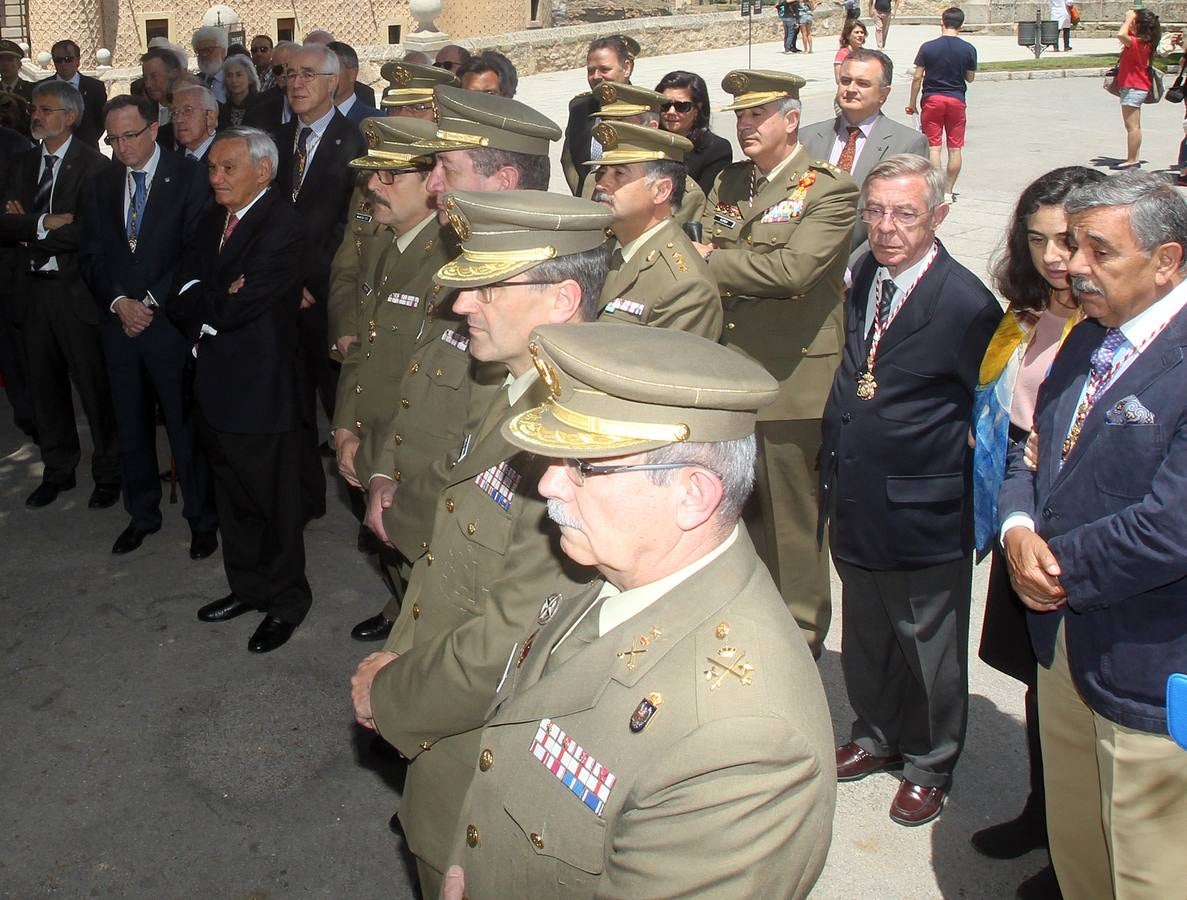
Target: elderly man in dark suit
43, 201
316, 148
239, 301
66, 56
141, 216
895, 483
1094, 537
862, 136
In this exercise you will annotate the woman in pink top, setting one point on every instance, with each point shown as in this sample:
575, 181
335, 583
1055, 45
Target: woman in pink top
1139, 35
853, 37
1032, 275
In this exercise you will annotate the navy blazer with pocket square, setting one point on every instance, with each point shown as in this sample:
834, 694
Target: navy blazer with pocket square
1115, 517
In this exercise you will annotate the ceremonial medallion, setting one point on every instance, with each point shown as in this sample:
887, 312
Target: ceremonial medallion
866, 386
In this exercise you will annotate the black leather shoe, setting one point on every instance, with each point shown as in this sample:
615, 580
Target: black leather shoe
130, 539
202, 544
375, 628
1043, 885
223, 610
47, 492
271, 634
103, 496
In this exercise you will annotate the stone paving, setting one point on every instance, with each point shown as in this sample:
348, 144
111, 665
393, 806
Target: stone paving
143, 754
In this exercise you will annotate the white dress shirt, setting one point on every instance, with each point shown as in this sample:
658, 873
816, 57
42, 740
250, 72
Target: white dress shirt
51, 265
314, 140
842, 137
150, 170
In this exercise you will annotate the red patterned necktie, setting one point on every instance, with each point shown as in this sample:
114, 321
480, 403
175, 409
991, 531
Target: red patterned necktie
845, 162
232, 221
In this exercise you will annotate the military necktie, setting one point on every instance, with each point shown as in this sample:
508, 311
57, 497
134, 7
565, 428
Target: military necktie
616, 259
845, 162
299, 160
136, 208
586, 632
45, 187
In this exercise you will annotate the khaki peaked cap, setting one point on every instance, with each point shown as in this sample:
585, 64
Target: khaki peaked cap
624, 142
389, 143
617, 389
508, 232
754, 87
412, 83
470, 119
621, 101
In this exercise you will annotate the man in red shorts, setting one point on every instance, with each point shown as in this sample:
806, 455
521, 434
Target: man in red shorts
943, 69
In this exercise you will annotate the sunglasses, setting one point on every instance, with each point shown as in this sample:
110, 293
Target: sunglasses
64, 59
681, 106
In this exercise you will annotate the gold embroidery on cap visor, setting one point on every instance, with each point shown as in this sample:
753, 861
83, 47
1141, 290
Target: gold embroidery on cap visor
390, 161
553, 429
758, 98
475, 268
453, 140
407, 97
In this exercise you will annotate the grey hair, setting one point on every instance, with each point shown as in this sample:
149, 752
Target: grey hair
588, 268
908, 165
534, 169
1157, 213
329, 59
245, 63
667, 168
67, 95
788, 104
649, 117
731, 461
210, 32
259, 144
209, 103
287, 46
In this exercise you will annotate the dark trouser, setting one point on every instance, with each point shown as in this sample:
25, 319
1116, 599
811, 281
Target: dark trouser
781, 519
153, 363
256, 490
1067, 38
791, 31
62, 348
14, 364
317, 380
904, 654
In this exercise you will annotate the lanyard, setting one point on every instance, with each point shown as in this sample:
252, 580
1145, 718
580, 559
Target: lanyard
866, 385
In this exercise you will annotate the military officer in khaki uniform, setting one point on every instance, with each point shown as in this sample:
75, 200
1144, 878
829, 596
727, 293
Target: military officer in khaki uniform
359, 241
409, 90
483, 143
639, 106
657, 277
778, 227
397, 286
528, 258
665, 734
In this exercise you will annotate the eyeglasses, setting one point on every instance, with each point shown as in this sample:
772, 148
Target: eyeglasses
447, 66
184, 112
872, 215
681, 106
485, 292
45, 110
388, 176
112, 139
65, 59
578, 470
304, 75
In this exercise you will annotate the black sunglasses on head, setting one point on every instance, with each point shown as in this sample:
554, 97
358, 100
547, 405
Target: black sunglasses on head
681, 106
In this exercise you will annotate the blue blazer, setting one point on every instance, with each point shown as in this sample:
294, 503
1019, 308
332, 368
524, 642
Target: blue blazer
1115, 516
361, 111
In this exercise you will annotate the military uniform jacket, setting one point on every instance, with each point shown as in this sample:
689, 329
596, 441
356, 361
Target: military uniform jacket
364, 237
726, 789
665, 283
780, 267
396, 292
491, 563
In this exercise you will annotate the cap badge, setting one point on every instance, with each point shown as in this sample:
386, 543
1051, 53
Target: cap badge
606, 135
459, 223
607, 93
401, 75
547, 375
371, 135
736, 83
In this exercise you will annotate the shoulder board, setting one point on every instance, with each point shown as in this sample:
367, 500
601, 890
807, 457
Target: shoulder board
823, 165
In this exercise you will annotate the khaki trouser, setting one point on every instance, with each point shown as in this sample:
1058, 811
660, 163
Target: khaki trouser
1116, 798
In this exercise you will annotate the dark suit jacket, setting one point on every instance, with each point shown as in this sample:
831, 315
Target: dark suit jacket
361, 111
266, 111
895, 469
575, 146
246, 378
887, 138
12, 144
323, 202
710, 154
365, 93
79, 165
94, 96
177, 200
1115, 516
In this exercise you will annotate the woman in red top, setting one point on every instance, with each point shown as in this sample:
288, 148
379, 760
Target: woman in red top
853, 37
1139, 35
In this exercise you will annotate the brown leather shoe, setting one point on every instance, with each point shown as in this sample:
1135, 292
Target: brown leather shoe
854, 763
915, 804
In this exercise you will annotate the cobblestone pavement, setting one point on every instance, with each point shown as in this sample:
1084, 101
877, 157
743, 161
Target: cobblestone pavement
143, 754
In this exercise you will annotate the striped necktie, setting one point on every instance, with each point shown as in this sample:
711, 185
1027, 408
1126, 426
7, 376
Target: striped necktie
45, 187
299, 160
136, 208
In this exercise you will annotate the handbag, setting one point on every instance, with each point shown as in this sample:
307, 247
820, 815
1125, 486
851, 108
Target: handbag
1174, 94
1073, 13
1111, 82
1155, 93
